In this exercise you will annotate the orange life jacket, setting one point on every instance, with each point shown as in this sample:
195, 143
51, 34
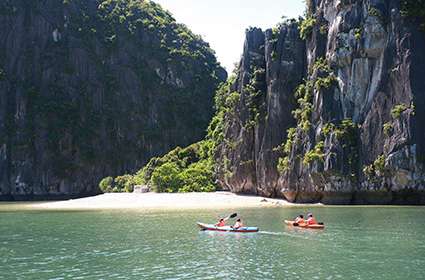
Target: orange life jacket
221, 224
311, 221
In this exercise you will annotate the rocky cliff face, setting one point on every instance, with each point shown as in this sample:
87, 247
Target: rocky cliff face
352, 131
95, 88
272, 65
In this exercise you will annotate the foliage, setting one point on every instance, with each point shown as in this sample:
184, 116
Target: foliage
302, 114
325, 76
283, 164
321, 76
358, 33
327, 129
106, 184
306, 27
324, 29
255, 91
347, 131
316, 154
388, 128
377, 168
165, 178
379, 164
397, 110
198, 177
180, 170
124, 183
325, 82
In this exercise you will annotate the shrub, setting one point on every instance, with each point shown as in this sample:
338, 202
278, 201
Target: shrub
198, 177
166, 178
124, 183
327, 129
379, 164
325, 82
397, 110
283, 164
388, 128
376, 168
346, 131
358, 33
232, 100
369, 171
106, 184
316, 154
306, 27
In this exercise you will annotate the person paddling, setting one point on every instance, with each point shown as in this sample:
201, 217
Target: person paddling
300, 220
238, 224
311, 220
221, 223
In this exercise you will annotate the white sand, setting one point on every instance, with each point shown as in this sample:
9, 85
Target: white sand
216, 200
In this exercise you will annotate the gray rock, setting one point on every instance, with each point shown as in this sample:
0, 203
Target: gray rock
141, 189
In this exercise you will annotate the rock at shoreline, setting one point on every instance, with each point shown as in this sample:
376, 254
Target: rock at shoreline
141, 189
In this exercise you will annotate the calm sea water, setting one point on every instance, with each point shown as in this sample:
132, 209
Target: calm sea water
358, 243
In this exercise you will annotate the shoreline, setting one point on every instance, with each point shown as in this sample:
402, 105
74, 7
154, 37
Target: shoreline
163, 201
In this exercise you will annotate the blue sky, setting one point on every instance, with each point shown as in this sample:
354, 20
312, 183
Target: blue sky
222, 23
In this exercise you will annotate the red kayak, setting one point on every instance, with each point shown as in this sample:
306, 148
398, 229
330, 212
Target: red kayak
294, 224
227, 228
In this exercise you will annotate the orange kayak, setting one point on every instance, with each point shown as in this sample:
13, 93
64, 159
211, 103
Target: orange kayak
294, 224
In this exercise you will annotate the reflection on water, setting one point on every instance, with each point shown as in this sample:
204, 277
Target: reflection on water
358, 243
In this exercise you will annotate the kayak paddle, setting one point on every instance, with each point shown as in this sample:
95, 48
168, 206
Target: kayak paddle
231, 216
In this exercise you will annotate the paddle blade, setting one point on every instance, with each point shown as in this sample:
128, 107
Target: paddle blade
233, 215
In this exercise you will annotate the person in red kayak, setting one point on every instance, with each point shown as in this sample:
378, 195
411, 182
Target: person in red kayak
238, 224
300, 220
311, 220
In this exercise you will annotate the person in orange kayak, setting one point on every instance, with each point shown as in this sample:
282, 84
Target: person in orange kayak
311, 220
221, 223
238, 224
300, 220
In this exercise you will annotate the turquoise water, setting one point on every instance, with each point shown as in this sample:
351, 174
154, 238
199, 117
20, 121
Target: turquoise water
358, 243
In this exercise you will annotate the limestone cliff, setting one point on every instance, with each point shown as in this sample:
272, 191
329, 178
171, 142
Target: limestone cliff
95, 88
352, 131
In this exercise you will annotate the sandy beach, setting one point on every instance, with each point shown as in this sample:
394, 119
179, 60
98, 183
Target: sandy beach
216, 200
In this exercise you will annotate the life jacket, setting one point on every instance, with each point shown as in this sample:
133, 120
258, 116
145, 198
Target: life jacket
311, 221
221, 224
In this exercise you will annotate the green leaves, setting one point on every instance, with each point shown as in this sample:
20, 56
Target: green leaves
306, 27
